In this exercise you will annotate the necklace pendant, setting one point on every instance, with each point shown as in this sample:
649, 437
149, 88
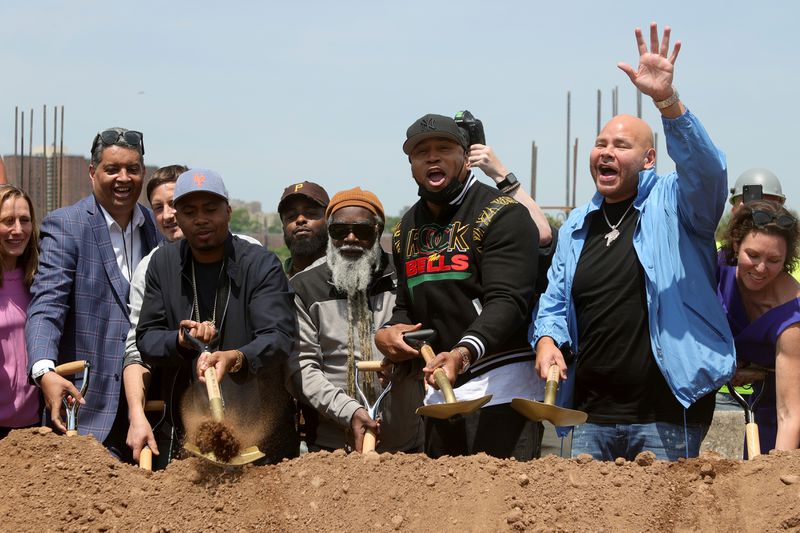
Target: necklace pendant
611, 236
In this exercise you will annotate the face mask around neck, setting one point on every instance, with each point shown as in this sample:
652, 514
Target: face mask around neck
446, 195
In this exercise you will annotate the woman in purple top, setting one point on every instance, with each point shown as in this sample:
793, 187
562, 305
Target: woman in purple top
19, 237
762, 301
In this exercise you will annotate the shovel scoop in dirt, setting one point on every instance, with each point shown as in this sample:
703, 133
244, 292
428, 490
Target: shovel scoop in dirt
547, 410
420, 340
70, 369
216, 442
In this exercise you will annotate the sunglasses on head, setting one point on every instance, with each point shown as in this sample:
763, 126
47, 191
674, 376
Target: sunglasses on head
363, 231
112, 137
762, 218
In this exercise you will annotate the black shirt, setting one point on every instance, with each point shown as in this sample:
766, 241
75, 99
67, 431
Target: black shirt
207, 277
617, 378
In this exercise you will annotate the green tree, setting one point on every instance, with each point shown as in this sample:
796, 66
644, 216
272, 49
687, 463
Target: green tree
554, 221
392, 221
242, 222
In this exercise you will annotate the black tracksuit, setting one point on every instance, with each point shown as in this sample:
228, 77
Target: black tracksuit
470, 274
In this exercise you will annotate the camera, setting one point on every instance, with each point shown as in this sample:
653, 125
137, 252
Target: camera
751, 193
471, 126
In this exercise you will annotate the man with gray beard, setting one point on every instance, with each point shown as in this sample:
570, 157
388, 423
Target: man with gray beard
338, 303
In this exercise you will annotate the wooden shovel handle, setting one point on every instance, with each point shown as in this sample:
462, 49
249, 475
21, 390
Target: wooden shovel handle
146, 459
152, 406
753, 443
551, 385
371, 366
438, 375
214, 395
71, 368
212, 385
370, 440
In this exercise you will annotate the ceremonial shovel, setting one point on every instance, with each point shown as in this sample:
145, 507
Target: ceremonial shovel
70, 369
451, 407
370, 439
538, 411
146, 454
750, 428
246, 455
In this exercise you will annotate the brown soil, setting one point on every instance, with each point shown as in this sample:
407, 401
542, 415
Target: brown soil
55, 483
219, 439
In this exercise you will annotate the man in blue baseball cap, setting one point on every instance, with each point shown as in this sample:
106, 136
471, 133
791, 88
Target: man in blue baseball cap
233, 296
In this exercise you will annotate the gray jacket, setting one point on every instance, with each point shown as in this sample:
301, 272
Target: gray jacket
318, 366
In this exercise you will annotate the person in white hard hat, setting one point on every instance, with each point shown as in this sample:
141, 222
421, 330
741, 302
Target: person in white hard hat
756, 184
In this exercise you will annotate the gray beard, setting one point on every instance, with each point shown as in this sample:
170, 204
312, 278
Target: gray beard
352, 276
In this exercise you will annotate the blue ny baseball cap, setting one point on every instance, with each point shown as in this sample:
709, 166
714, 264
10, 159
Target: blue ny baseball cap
199, 180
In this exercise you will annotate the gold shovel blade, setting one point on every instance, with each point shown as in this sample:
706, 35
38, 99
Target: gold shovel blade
248, 455
538, 411
446, 410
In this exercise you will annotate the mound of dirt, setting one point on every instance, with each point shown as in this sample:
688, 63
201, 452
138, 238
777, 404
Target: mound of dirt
55, 483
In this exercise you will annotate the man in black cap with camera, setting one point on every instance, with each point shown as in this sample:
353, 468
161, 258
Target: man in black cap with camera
463, 258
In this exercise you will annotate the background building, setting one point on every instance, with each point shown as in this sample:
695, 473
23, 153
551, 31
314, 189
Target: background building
54, 182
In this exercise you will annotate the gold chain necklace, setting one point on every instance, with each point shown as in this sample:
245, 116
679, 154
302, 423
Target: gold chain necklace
194, 293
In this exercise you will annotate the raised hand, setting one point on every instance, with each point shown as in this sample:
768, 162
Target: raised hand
654, 75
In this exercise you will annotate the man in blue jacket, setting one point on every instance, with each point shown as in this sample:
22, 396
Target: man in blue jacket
631, 288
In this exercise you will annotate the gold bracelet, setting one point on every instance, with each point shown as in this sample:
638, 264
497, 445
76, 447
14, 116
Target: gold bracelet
663, 104
238, 364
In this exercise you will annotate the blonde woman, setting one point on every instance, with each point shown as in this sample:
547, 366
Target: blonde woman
19, 237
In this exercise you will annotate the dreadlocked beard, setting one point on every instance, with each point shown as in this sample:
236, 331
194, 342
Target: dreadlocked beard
352, 277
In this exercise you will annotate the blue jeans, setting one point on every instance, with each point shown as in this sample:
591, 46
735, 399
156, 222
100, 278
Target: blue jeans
668, 441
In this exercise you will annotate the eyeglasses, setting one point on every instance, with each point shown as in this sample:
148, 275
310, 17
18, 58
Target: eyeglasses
112, 137
762, 218
363, 231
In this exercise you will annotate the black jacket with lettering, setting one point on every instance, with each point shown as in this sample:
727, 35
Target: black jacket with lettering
470, 274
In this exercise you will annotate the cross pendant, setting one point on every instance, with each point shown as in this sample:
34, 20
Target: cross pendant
611, 236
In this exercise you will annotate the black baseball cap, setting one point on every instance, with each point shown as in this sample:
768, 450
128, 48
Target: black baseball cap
433, 126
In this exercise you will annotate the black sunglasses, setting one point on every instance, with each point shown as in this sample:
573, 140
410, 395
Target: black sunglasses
762, 218
112, 137
363, 231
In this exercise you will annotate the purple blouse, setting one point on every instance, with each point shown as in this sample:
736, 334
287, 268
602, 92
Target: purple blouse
19, 400
756, 343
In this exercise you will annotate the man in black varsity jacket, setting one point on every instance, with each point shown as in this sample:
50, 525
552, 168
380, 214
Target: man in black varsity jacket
465, 256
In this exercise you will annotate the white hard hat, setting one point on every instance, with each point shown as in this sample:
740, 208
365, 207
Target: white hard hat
770, 184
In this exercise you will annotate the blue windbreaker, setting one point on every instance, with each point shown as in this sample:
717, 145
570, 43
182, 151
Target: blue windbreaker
674, 242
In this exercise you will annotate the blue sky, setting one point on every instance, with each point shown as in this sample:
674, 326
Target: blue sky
273, 93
